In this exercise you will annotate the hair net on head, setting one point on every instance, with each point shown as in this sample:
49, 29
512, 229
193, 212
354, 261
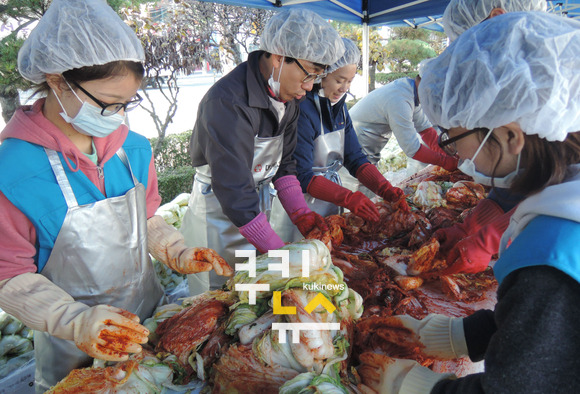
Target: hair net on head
301, 34
74, 34
422, 65
351, 56
519, 67
460, 15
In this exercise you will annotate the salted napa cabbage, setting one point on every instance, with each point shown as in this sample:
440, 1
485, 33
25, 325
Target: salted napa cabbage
319, 262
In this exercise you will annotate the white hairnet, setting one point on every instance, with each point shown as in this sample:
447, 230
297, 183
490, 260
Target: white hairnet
301, 34
460, 15
519, 67
351, 56
74, 34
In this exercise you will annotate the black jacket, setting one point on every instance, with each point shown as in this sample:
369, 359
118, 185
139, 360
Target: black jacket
230, 115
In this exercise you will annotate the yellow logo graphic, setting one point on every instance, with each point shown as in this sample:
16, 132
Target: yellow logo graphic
320, 299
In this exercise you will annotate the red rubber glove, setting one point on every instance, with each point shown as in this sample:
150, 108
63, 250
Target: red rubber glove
292, 199
431, 138
426, 155
485, 212
259, 233
324, 189
473, 254
370, 177
310, 221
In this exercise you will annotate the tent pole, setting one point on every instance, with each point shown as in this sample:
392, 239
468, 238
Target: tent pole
365, 60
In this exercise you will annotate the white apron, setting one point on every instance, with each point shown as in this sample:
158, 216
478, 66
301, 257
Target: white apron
99, 257
204, 223
328, 158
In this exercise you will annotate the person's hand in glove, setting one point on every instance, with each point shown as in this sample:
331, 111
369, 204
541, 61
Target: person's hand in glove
390, 375
259, 233
439, 336
485, 212
310, 221
324, 189
101, 331
473, 253
429, 156
108, 333
167, 245
370, 177
292, 199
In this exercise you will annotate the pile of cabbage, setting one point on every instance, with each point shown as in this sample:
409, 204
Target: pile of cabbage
318, 362
16, 346
173, 211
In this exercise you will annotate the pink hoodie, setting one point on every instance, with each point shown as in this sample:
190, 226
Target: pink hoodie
17, 235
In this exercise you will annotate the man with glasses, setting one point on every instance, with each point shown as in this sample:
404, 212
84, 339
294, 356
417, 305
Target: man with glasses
244, 137
471, 245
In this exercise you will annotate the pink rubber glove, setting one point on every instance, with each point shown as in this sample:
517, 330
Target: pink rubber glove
324, 189
259, 233
473, 254
370, 177
292, 199
431, 138
485, 212
426, 155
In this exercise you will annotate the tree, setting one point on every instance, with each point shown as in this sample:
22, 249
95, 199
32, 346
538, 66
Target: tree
377, 51
404, 55
16, 17
231, 28
179, 37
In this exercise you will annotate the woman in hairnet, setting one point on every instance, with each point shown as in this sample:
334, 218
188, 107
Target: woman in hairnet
470, 245
76, 190
512, 111
326, 142
243, 140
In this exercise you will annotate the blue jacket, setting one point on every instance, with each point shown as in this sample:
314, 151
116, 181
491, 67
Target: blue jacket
29, 183
333, 118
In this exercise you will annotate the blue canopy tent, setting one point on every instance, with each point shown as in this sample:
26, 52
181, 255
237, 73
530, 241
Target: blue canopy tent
413, 13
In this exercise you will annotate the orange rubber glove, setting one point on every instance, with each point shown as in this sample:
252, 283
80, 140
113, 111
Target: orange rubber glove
167, 245
102, 331
324, 189
370, 177
109, 333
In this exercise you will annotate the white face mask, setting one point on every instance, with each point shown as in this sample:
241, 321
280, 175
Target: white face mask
275, 85
467, 166
89, 120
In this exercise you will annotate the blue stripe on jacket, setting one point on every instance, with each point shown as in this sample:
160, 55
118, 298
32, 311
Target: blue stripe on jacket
29, 183
546, 240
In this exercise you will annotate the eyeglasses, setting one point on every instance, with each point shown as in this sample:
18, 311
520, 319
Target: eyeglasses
317, 78
112, 109
448, 144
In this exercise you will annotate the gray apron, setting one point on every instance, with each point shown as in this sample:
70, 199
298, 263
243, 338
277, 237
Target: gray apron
99, 257
328, 157
204, 223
